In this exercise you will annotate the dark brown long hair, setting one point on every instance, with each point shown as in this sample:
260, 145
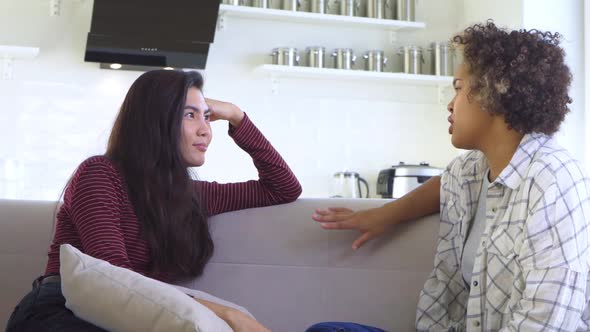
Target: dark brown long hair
145, 146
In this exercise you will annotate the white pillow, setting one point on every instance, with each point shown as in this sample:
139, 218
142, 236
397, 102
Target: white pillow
118, 299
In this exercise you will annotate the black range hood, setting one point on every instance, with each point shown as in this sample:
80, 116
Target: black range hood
152, 33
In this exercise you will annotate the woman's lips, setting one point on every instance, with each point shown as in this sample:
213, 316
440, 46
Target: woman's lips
201, 147
451, 126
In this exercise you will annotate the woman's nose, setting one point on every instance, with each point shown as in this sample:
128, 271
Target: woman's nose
450, 105
204, 129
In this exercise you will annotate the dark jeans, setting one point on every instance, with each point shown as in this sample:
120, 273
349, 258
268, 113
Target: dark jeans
342, 327
44, 310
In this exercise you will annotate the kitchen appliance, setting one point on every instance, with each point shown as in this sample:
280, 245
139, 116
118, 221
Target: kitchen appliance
348, 185
344, 58
412, 59
285, 56
375, 60
406, 10
442, 58
400, 179
316, 56
319, 6
292, 5
153, 33
348, 7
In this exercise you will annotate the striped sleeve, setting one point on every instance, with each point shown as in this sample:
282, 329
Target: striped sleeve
96, 205
276, 184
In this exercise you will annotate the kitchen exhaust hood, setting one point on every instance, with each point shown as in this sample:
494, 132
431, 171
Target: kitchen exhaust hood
152, 33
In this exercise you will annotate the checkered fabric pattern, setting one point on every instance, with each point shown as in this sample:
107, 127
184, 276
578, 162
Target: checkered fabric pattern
531, 270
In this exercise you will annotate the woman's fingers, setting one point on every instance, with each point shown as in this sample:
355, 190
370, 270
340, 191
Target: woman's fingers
332, 214
336, 225
361, 240
340, 210
330, 217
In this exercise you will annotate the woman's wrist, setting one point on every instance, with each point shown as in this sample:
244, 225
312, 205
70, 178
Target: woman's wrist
388, 213
237, 118
230, 316
223, 312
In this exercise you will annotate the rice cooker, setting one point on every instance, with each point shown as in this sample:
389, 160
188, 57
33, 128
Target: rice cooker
400, 179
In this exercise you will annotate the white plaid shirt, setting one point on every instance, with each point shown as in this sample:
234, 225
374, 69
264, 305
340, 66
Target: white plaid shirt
531, 270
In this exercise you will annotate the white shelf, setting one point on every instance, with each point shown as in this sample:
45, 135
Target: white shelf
277, 71
305, 17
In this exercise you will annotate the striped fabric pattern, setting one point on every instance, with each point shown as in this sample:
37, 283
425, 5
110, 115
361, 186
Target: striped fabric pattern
97, 216
531, 270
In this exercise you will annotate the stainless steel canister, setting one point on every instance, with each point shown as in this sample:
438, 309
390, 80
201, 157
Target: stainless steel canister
285, 56
344, 58
391, 9
442, 58
348, 7
262, 3
292, 5
412, 59
375, 60
406, 10
319, 6
376, 9
235, 2
316, 56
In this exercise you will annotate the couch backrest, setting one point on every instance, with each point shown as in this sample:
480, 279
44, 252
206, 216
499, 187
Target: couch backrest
275, 261
278, 262
26, 228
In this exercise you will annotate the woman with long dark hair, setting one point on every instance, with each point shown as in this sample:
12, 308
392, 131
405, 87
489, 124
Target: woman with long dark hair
137, 206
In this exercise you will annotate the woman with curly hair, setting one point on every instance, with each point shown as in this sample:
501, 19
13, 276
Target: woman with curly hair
513, 247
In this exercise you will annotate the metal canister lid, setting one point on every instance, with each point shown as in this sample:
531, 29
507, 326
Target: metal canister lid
413, 48
315, 49
443, 45
284, 49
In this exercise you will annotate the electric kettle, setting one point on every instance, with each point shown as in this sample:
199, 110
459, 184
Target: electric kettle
348, 185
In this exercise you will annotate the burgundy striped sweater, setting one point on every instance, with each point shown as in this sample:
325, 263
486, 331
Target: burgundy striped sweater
97, 216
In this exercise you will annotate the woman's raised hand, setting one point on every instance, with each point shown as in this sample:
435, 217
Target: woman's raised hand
221, 110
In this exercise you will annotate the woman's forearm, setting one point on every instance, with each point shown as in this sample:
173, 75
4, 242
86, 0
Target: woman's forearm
221, 311
422, 201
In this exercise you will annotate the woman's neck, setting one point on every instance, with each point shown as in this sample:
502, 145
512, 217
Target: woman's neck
499, 148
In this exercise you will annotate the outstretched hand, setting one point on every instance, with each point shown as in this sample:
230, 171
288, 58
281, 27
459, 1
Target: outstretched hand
221, 110
370, 223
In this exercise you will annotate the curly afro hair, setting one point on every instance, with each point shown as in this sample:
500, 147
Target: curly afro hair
520, 75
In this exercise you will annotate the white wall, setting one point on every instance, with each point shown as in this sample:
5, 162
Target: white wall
567, 18
505, 13
58, 110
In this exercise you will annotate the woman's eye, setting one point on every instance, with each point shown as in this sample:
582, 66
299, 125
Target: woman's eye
190, 115
207, 116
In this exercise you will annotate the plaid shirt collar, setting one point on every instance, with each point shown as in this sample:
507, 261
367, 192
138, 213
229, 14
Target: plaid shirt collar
513, 174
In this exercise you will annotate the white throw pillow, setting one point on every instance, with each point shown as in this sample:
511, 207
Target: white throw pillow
118, 299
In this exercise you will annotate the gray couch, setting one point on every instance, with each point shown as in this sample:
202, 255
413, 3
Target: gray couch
275, 261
